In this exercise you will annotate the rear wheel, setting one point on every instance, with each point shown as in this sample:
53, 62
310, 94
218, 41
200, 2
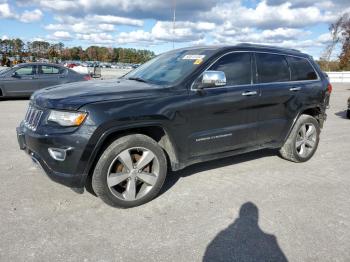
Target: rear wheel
130, 172
303, 140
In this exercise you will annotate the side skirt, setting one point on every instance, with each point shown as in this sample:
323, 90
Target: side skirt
195, 160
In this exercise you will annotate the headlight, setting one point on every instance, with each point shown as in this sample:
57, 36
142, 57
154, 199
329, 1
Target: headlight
65, 118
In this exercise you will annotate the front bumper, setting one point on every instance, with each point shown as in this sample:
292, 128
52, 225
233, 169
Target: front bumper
66, 172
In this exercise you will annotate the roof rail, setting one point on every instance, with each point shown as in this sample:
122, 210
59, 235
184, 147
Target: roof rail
268, 46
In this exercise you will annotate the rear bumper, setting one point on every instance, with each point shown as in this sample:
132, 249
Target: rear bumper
36, 146
322, 118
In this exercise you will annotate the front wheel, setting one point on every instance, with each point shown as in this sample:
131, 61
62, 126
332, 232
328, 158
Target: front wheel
303, 140
130, 172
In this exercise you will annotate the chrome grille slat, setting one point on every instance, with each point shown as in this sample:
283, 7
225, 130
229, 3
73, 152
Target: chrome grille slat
32, 118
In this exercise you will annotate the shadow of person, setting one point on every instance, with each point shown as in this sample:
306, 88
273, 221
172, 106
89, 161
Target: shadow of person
342, 114
244, 241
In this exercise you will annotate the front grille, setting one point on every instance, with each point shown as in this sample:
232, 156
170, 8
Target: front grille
32, 118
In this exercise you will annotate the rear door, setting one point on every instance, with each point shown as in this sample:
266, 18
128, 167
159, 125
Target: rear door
225, 118
305, 81
50, 75
21, 81
280, 97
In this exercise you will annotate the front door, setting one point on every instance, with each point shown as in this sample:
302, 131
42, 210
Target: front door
21, 81
225, 118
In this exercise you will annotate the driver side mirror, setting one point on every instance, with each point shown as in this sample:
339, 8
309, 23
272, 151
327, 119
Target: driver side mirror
212, 79
15, 75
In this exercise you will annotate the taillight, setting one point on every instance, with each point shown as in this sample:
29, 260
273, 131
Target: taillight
87, 78
329, 88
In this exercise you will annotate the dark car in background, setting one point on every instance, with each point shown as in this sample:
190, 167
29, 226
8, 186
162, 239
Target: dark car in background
183, 107
24, 79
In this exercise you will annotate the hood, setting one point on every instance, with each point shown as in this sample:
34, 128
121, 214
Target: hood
74, 95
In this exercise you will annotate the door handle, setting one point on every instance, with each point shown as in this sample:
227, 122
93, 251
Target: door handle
295, 89
249, 93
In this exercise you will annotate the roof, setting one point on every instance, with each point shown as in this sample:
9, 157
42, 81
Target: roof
39, 63
250, 47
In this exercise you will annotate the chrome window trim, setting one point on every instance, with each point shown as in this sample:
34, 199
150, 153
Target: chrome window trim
255, 84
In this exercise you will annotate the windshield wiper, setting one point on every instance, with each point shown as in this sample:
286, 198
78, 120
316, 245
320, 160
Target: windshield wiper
139, 79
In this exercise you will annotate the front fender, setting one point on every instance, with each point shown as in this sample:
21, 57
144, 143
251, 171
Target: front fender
103, 134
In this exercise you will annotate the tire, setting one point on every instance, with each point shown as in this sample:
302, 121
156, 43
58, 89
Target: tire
114, 165
298, 148
348, 113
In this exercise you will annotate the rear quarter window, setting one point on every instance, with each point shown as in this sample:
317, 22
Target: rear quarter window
301, 69
48, 70
272, 68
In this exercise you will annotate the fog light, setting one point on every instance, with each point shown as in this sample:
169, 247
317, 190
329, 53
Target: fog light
58, 154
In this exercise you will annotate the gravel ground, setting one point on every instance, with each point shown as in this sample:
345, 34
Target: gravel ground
253, 207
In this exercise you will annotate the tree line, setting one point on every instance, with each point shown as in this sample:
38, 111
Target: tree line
57, 51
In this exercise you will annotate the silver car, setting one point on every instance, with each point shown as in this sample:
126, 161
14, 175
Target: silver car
24, 79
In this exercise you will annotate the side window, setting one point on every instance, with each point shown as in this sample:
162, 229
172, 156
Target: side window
301, 69
237, 68
272, 68
48, 70
26, 71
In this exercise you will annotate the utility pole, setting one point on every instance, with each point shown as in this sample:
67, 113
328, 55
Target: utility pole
174, 20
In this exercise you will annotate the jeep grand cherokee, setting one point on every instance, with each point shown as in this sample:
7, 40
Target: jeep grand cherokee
185, 106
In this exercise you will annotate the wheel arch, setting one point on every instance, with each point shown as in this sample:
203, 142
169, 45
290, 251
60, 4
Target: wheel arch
314, 111
156, 132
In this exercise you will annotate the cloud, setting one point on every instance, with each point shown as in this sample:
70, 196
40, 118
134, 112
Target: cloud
97, 38
91, 24
106, 27
61, 36
81, 27
163, 31
276, 22
111, 19
138, 36
139, 9
31, 16
267, 17
5, 11
26, 17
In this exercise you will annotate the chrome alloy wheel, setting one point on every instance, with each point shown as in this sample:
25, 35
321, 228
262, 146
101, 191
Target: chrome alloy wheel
133, 173
306, 140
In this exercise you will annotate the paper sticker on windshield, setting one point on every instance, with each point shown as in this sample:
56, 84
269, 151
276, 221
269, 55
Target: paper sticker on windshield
198, 62
193, 57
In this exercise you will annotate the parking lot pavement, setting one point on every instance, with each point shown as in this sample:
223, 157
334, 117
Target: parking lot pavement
253, 207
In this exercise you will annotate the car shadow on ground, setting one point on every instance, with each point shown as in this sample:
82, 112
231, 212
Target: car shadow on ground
173, 177
341, 114
13, 98
244, 240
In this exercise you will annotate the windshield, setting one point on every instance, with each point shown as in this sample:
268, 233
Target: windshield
4, 70
168, 68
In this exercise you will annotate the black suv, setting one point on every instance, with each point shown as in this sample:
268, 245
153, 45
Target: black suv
120, 137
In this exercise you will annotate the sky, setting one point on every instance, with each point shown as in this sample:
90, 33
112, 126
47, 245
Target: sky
147, 24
